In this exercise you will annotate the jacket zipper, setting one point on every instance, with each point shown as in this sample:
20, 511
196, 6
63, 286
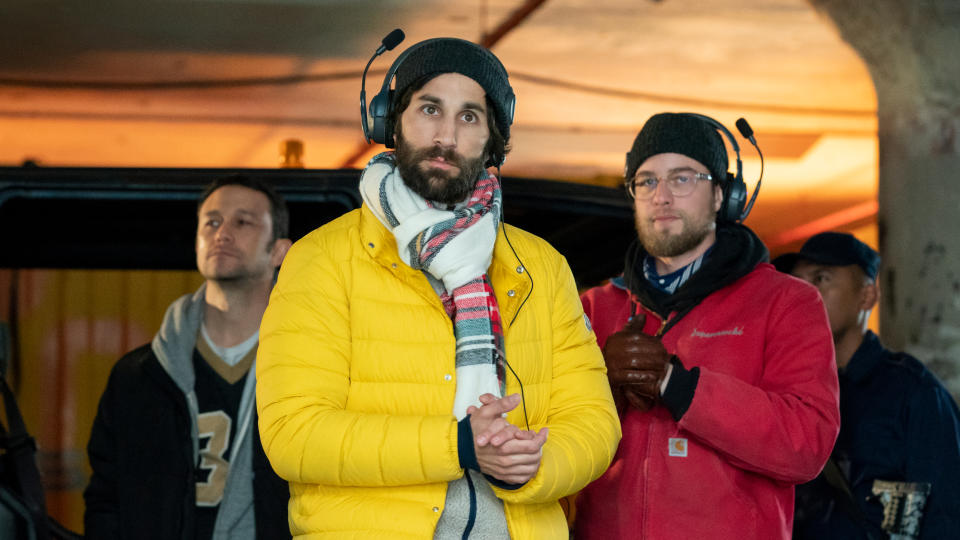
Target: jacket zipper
663, 322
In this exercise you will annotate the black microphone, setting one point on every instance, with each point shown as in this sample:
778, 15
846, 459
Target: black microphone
744, 128
392, 40
387, 44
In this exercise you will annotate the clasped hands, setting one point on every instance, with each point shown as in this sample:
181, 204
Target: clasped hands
503, 450
637, 364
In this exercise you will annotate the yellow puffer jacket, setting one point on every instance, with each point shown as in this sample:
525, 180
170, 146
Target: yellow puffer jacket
356, 381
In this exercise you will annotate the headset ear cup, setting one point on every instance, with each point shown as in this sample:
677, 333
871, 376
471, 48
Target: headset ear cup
379, 111
734, 199
388, 131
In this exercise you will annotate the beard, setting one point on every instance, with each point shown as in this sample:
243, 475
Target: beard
436, 184
237, 272
666, 244
231, 276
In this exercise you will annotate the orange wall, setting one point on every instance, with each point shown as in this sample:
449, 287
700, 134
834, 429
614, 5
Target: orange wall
72, 326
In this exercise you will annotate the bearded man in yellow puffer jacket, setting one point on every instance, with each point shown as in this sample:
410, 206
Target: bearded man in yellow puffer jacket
411, 380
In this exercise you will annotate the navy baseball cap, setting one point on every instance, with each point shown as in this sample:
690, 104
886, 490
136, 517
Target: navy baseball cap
833, 249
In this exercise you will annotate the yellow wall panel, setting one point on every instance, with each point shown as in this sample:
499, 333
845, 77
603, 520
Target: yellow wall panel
71, 327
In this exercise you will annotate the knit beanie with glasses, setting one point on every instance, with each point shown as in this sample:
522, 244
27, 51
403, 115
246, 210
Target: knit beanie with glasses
452, 55
679, 133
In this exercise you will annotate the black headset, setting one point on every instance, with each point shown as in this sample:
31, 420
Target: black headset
382, 104
734, 207
734, 189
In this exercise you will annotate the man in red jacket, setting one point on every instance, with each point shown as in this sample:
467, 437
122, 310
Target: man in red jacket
723, 368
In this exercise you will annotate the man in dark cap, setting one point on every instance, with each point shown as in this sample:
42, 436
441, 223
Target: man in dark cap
895, 469
721, 367
408, 370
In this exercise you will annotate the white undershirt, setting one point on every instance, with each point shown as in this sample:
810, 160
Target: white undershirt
231, 355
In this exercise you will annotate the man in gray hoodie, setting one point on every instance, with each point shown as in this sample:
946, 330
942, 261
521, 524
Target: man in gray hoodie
175, 449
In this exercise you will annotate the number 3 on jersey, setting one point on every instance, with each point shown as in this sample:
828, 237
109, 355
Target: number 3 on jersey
215, 428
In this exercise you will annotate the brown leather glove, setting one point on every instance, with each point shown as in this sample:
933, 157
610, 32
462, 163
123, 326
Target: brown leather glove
636, 365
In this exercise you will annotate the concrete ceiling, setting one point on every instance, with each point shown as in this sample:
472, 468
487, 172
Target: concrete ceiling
221, 83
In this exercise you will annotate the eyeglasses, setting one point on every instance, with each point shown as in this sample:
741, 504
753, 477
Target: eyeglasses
680, 184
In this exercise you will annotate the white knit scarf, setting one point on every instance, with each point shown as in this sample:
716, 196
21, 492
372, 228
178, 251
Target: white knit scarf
456, 248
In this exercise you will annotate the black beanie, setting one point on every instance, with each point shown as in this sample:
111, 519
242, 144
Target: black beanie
452, 55
679, 133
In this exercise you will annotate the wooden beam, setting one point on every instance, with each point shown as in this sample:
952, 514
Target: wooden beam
836, 220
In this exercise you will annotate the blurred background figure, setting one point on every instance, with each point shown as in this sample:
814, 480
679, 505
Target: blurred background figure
175, 449
895, 469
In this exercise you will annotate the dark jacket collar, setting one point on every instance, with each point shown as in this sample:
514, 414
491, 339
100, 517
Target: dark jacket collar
867, 356
735, 254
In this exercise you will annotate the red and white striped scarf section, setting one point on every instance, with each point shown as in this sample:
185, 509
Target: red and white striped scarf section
460, 262
472, 306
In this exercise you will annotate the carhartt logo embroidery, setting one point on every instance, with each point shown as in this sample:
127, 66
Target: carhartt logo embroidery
736, 331
678, 447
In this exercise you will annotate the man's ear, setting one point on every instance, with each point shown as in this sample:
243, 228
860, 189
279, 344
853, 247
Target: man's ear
279, 251
717, 197
869, 296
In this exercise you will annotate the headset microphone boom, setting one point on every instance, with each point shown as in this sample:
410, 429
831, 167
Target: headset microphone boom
387, 44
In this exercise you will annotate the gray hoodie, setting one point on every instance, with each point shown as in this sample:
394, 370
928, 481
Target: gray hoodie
174, 345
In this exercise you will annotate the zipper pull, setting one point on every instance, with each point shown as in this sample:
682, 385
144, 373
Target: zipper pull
663, 324
637, 308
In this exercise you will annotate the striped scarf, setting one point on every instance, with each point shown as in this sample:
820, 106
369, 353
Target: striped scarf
456, 248
669, 283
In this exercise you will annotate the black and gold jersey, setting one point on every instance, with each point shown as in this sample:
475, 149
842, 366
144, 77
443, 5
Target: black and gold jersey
219, 388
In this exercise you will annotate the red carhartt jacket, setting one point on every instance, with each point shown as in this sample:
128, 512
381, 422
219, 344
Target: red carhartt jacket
764, 417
